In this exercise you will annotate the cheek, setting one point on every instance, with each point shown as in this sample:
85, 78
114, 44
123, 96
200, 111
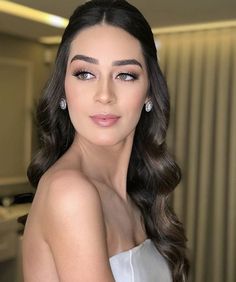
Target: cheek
137, 100
134, 105
73, 101
70, 88
73, 94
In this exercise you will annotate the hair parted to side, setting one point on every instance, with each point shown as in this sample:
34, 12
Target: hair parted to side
152, 173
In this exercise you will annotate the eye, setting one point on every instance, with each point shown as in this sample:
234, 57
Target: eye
125, 76
83, 75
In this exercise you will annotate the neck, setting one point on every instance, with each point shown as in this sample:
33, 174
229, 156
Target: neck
106, 164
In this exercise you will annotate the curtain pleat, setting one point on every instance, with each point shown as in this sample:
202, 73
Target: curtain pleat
200, 68
231, 171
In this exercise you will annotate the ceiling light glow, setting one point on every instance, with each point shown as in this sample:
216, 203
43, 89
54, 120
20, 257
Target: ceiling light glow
57, 21
32, 14
50, 40
195, 27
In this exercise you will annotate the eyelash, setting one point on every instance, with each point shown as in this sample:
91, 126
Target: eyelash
78, 73
132, 75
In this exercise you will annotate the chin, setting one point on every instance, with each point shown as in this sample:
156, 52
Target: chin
106, 139
106, 142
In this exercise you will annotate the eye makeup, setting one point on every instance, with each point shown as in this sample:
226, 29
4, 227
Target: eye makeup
127, 76
124, 76
83, 74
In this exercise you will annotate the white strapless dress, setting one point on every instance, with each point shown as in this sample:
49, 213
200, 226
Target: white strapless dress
142, 263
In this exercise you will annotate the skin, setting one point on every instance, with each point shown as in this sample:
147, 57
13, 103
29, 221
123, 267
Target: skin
81, 214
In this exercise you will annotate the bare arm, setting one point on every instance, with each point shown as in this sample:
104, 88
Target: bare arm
75, 231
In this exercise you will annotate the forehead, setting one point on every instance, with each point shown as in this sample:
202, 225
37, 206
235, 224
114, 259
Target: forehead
107, 43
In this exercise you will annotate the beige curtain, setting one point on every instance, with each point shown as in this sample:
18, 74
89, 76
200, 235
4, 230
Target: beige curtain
200, 68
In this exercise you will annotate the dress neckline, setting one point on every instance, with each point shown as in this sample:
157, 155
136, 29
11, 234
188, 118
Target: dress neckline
135, 248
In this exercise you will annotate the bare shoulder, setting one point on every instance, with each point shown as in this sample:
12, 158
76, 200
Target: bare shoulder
69, 189
73, 227
69, 194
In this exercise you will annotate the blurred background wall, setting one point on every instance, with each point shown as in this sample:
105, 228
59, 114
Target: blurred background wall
23, 72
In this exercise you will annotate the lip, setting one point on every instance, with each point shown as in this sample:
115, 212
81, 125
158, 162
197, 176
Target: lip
105, 120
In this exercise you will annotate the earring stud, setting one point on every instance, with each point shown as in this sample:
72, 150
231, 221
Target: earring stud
63, 104
148, 106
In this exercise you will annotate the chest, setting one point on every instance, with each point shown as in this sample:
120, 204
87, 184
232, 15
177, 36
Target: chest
123, 222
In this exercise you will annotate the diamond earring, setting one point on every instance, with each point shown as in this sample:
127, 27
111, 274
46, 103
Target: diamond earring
63, 104
148, 106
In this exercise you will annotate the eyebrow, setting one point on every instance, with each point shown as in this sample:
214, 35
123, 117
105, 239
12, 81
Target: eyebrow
127, 62
115, 63
84, 58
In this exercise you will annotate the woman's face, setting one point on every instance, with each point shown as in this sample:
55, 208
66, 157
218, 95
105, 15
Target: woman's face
106, 84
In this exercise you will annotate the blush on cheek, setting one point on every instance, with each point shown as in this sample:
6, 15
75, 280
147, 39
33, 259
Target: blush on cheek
69, 84
139, 104
70, 94
135, 113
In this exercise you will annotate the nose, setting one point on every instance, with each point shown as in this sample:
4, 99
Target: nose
105, 92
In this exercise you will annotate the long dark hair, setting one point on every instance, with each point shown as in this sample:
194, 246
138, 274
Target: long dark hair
152, 173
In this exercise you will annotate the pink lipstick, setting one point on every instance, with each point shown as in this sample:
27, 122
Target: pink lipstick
104, 120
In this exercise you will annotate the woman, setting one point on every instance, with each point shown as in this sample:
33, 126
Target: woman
103, 174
